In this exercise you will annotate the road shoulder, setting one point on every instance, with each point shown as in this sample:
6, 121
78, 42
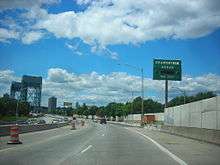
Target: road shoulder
192, 151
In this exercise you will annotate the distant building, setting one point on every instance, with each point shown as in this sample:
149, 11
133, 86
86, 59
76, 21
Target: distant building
52, 103
67, 105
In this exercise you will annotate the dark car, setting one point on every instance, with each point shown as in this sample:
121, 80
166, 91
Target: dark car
41, 122
103, 121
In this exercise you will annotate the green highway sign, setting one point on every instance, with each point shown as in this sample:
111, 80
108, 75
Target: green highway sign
167, 70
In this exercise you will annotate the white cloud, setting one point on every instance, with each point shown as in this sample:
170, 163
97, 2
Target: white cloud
83, 2
24, 4
127, 21
62, 25
108, 52
104, 51
111, 22
74, 48
101, 89
208, 82
117, 86
6, 77
21, 23
31, 37
6, 35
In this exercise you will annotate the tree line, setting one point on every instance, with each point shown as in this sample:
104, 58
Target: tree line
8, 107
114, 109
179, 100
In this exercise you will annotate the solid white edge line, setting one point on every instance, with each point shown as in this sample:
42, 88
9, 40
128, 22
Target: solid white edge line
86, 149
176, 158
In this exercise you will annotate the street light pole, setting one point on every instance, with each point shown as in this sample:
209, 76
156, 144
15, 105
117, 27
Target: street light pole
18, 101
132, 106
16, 115
184, 97
142, 89
142, 97
183, 92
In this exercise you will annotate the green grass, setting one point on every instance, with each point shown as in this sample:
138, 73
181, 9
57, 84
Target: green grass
13, 118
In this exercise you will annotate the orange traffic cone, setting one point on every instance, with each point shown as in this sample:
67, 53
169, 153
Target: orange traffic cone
14, 133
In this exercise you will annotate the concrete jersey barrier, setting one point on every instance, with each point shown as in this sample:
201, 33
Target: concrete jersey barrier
5, 130
207, 135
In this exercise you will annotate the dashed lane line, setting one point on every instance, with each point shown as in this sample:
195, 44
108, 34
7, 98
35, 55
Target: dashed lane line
87, 148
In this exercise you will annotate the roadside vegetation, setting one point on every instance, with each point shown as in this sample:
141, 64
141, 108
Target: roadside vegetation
188, 99
8, 109
113, 109
123, 109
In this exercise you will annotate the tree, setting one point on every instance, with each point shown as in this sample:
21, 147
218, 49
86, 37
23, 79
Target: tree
69, 111
92, 111
119, 111
128, 108
137, 105
151, 106
8, 107
85, 110
179, 100
79, 111
110, 109
24, 108
101, 111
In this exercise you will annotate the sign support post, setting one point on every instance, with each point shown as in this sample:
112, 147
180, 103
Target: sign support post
166, 93
167, 70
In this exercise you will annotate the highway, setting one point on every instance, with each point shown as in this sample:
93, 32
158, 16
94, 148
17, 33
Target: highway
94, 144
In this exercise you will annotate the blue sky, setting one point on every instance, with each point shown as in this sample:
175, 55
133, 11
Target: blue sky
72, 40
199, 56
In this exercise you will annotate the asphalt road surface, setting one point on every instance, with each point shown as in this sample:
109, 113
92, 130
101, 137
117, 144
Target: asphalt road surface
94, 145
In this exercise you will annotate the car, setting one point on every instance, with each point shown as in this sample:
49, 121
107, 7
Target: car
95, 120
32, 121
41, 122
55, 121
103, 121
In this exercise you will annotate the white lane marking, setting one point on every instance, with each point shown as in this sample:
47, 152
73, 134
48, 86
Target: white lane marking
86, 149
36, 143
6, 149
170, 154
103, 134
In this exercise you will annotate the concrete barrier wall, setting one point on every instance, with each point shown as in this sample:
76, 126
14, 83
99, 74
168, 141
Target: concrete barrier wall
133, 118
5, 130
137, 117
207, 135
200, 114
